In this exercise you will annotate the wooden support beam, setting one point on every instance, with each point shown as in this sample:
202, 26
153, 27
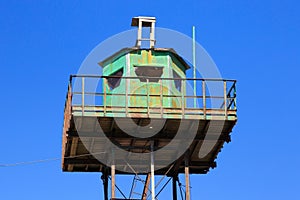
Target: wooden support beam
168, 137
113, 181
146, 187
73, 151
187, 179
74, 161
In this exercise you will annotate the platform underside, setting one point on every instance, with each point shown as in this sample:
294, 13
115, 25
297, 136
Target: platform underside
91, 142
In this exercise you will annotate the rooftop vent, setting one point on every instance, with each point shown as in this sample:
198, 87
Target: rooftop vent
141, 22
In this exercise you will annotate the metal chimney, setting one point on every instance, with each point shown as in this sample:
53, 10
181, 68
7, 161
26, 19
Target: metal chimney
141, 22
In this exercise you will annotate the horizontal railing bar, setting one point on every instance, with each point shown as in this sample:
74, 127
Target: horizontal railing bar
150, 95
146, 77
169, 109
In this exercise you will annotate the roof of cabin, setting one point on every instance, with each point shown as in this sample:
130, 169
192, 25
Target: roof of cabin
129, 50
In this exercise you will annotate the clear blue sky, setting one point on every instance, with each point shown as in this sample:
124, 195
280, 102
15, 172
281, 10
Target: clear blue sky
255, 42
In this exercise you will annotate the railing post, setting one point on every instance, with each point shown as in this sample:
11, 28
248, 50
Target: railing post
234, 96
104, 91
148, 111
182, 99
225, 98
204, 98
126, 97
82, 95
161, 98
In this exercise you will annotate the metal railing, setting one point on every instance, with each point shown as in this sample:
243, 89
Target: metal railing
89, 91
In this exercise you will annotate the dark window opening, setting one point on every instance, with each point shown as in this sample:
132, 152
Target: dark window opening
115, 79
148, 72
177, 81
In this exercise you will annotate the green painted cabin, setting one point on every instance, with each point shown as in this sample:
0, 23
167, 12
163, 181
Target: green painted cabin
144, 78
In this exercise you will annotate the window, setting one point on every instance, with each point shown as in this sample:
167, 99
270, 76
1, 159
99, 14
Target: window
150, 72
177, 81
115, 79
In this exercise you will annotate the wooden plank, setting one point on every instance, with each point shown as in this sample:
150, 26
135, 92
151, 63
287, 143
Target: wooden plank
73, 151
187, 183
113, 181
146, 187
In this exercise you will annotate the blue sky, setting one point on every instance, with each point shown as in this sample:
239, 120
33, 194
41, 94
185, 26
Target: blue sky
255, 42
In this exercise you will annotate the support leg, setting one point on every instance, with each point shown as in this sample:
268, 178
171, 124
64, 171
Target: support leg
104, 178
187, 180
174, 180
113, 181
146, 186
152, 172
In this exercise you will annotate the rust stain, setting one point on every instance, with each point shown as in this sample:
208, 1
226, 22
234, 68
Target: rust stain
149, 56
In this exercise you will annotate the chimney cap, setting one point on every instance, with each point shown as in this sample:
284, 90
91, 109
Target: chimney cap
146, 21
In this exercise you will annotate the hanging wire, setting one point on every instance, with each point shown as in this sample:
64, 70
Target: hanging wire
46, 160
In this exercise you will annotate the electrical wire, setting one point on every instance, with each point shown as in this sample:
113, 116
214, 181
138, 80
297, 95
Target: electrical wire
46, 160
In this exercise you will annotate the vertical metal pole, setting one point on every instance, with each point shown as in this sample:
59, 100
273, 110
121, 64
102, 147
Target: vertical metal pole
182, 99
234, 96
82, 95
204, 98
187, 180
113, 183
161, 98
126, 97
225, 99
174, 180
152, 172
113, 174
148, 106
194, 65
152, 37
139, 41
105, 99
104, 178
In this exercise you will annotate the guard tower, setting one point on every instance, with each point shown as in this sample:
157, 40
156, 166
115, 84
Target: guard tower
144, 90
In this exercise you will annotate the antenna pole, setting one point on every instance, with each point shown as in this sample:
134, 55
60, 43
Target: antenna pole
152, 172
194, 65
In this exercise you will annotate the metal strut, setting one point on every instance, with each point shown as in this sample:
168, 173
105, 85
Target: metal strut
152, 172
119, 190
104, 179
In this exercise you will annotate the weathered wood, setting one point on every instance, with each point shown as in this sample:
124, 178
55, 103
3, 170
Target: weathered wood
73, 151
146, 187
187, 183
113, 182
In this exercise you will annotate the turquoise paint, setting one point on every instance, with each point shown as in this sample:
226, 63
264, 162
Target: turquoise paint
137, 90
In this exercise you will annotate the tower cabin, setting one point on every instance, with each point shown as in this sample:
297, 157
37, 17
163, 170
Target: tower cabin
146, 73
145, 85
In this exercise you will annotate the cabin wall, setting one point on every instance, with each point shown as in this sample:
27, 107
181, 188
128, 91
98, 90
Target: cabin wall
157, 90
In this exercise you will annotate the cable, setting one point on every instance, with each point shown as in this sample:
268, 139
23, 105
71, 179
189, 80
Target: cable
46, 160
28, 162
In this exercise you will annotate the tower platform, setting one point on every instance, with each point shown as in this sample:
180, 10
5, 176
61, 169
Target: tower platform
90, 129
